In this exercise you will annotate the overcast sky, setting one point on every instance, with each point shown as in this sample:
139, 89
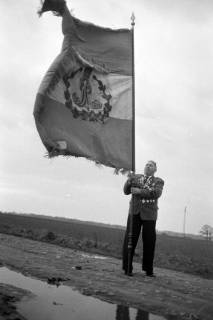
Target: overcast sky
174, 112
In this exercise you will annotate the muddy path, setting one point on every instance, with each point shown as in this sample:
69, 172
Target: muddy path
172, 294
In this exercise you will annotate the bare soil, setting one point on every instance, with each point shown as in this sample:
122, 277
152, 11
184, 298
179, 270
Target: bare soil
172, 294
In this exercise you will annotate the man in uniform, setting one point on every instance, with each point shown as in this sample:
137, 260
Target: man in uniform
145, 189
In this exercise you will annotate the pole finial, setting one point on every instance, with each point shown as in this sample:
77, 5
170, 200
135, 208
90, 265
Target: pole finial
133, 19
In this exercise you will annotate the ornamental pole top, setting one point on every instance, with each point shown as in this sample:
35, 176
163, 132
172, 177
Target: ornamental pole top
133, 19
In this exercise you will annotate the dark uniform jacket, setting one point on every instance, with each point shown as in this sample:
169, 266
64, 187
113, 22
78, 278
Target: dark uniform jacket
145, 203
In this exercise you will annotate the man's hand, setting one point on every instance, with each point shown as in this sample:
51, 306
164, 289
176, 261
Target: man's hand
135, 190
132, 176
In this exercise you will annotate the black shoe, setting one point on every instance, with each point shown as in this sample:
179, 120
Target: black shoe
150, 274
130, 274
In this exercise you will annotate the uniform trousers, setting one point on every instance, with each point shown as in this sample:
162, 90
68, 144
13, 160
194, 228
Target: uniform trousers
148, 241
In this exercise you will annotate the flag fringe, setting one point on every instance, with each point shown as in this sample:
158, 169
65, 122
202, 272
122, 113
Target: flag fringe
56, 152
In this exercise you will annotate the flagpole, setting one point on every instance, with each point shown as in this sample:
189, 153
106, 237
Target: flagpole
130, 234
133, 93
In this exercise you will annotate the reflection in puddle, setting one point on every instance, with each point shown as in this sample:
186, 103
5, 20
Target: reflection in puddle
126, 313
54, 303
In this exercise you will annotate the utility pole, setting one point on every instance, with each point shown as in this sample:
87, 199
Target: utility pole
184, 222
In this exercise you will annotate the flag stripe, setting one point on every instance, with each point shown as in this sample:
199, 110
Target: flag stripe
120, 89
109, 144
103, 47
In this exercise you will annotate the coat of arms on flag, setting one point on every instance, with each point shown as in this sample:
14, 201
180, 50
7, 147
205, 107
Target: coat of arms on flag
84, 104
86, 96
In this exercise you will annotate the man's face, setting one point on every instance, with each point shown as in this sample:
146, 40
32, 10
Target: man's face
150, 168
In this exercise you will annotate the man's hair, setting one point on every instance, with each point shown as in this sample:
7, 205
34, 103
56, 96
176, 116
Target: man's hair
153, 163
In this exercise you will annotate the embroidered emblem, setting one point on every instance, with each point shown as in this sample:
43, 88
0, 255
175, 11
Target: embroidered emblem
86, 96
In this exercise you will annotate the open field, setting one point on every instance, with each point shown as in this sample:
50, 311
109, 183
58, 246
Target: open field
175, 253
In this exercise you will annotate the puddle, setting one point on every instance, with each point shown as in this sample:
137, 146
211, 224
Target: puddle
54, 303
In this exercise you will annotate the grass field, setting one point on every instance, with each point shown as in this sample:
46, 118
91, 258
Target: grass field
176, 253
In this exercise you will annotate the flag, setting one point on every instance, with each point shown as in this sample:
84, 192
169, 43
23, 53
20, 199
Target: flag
83, 107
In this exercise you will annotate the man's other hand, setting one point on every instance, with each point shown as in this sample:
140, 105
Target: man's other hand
135, 190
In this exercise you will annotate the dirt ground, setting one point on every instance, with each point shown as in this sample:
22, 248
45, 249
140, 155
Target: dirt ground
174, 295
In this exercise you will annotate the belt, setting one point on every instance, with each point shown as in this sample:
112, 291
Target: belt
148, 201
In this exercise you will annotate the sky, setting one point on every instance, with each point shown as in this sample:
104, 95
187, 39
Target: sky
174, 112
